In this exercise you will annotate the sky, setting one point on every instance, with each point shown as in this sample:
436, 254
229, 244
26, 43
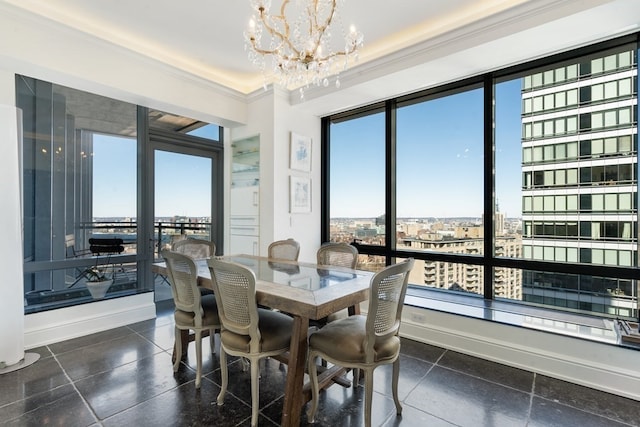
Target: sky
114, 176
183, 182
439, 158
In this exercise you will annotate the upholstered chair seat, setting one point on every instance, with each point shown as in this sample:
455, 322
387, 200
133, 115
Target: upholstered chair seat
344, 340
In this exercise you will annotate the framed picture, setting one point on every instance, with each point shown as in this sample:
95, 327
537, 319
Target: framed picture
300, 152
300, 194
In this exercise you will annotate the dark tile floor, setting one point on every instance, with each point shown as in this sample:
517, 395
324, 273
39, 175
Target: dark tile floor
123, 377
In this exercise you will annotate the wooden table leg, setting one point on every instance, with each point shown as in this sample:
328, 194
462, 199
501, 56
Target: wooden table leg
354, 309
293, 396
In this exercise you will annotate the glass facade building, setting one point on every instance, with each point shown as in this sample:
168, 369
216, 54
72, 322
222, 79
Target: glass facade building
579, 186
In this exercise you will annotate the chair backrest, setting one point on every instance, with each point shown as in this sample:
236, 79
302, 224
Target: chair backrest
183, 278
195, 248
288, 250
105, 245
386, 300
340, 254
235, 288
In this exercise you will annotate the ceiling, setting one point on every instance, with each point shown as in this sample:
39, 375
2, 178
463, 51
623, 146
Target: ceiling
409, 44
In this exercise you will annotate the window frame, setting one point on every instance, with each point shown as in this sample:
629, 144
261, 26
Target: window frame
487, 260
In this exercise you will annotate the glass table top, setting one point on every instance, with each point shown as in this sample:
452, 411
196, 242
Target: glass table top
298, 275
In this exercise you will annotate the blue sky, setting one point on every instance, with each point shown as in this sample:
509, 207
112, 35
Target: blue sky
114, 176
183, 182
439, 158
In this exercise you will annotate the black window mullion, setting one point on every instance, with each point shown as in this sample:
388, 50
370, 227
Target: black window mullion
390, 179
489, 179
325, 199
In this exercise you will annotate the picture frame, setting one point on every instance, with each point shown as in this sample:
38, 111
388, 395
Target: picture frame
300, 152
299, 194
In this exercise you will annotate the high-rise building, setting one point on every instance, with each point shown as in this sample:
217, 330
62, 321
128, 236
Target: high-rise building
466, 277
580, 183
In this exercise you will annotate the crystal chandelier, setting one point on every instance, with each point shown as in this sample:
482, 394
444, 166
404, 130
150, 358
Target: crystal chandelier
299, 42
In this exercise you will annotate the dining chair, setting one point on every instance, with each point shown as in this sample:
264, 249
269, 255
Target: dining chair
340, 255
286, 250
195, 248
365, 342
193, 311
247, 331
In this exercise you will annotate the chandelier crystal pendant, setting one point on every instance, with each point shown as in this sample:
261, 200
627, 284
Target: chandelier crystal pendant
300, 42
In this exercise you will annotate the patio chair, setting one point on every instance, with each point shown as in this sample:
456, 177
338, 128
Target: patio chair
70, 246
193, 311
72, 252
97, 246
365, 342
247, 331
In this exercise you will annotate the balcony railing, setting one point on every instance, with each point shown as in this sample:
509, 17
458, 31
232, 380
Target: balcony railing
165, 232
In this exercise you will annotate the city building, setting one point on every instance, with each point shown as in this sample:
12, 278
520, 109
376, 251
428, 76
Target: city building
580, 183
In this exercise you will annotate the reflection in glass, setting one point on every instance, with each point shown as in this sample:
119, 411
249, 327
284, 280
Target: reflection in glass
594, 295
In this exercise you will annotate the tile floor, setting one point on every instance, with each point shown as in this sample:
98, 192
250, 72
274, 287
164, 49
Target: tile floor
123, 377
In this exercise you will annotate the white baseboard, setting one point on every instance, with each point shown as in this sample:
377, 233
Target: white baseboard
592, 364
52, 326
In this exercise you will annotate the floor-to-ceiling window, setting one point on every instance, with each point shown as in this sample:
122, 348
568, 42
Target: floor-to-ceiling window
519, 185
85, 189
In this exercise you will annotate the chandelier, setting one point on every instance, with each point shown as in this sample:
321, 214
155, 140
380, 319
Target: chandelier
299, 42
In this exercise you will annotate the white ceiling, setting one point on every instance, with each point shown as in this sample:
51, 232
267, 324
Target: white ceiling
409, 44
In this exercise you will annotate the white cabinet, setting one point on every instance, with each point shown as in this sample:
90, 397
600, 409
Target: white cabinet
245, 201
244, 227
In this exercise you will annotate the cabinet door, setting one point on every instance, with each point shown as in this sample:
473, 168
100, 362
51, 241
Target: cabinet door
240, 244
245, 201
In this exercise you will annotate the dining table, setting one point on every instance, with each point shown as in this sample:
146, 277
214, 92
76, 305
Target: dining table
305, 291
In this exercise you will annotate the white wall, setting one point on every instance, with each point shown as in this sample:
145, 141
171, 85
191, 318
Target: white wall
304, 227
270, 115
